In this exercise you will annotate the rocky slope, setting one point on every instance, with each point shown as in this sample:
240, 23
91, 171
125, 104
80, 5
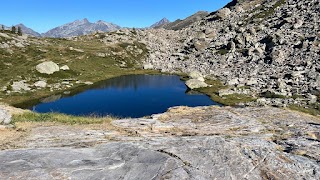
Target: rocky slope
183, 143
267, 46
80, 27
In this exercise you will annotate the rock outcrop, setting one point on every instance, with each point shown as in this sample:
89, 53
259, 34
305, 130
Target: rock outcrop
183, 143
47, 67
5, 117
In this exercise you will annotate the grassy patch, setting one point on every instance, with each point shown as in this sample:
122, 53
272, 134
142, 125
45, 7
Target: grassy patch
311, 109
55, 117
229, 100
269, 94
262, 12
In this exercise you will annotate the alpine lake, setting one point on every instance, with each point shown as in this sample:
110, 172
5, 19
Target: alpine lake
125, 96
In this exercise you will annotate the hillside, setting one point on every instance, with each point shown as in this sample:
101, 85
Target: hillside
255, 47
87, 58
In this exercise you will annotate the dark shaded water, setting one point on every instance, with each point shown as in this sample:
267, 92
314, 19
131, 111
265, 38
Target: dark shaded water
127, 96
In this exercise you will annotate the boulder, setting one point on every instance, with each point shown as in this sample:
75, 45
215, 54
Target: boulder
225, 92
195, 75
233, 82
5, 117
298, 24
312, 99
147, 66
195, 83
40, 84
65, 68
47, 67
223, 13
101, 55
252, 81
278, 56
20, 86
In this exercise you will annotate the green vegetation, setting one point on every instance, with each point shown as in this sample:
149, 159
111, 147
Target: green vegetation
19, 31
311, 109
269, 94
60, 118
264, 12
13, 29
222, 51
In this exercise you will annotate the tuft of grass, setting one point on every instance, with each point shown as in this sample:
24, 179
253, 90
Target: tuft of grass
60, 118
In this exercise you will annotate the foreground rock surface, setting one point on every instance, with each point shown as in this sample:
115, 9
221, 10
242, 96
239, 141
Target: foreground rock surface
183, 143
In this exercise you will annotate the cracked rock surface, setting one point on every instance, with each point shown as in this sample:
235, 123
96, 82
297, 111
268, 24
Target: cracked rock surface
183, 143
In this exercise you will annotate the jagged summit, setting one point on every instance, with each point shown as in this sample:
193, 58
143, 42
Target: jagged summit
160, 23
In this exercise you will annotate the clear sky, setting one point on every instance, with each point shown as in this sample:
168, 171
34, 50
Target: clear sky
43, 15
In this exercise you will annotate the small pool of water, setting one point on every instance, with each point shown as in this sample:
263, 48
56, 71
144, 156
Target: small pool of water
126, 96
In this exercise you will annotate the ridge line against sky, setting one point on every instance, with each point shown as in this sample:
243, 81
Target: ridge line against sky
42, 16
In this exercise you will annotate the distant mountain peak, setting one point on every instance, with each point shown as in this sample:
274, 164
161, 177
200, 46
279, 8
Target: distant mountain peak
160, 23
27, 30
85, 20
81, 27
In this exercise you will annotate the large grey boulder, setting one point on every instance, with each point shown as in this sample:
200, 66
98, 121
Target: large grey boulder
195, 84
223, 13
47, 67
40, 84
65, 68
5, 117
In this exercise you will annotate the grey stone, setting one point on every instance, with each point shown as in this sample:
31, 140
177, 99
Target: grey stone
40, 84
64, 68
5, 117
195, 83
298, 24
195, 75
148, 66
223, 13
20, 86
313, 98
47, 67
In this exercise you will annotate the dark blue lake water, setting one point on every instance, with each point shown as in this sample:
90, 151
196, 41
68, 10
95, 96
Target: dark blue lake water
127, 96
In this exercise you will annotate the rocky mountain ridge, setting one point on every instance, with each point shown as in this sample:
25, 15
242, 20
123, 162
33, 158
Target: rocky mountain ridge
80, 27
180, 24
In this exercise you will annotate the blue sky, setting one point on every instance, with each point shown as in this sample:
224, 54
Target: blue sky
42, 15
